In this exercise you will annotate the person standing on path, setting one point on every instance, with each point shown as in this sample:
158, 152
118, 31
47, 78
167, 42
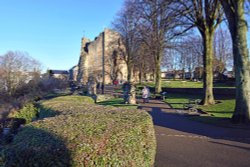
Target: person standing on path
145, 94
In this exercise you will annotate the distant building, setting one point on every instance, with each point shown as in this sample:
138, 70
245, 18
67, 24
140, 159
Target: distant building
59, 74
229, 74
167, 74
175, 74
198, 73
188, 75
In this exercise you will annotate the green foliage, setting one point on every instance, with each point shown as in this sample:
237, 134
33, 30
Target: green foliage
35, 147
63, 104
83, 134
28, 112
78, 99
46, 112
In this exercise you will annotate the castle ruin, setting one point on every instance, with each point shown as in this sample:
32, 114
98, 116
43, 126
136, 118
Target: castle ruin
103, 57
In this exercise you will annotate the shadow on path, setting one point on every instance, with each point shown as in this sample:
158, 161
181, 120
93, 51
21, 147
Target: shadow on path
182, 142
164, 116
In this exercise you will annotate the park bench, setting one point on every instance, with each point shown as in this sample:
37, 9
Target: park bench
192, 105
164, 95
161, 95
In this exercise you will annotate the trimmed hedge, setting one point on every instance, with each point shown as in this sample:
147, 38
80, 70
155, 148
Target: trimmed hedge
85, 135
69, 99
64, 104
28, 113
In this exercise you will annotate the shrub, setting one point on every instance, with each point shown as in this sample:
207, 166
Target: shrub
35, 147
64, 104
13, 123
28, 112
69, 99
85, 135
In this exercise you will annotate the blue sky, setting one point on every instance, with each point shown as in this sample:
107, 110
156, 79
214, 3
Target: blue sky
51, 30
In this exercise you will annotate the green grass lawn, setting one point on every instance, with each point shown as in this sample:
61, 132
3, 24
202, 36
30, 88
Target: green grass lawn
181, 84
117, 102
219, 114
176, 84
223, 109
186, 84
178, 100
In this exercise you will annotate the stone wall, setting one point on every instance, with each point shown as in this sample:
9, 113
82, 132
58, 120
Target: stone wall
82, 64
73, 72
91, 59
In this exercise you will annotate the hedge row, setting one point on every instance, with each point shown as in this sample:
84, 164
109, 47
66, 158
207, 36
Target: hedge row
84, 134
63, 105
29, 113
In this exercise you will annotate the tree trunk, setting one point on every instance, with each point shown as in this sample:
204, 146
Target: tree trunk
208, 68
183, 74
140, 74
191, 74
145, 76
158, 74
130, 72
140, 77
200, 74
129, 93
242, 73
238, 30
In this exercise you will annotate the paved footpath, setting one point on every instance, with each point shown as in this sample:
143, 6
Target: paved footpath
185, 143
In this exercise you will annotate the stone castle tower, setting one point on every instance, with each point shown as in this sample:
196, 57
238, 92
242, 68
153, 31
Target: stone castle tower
82, 64
92, 63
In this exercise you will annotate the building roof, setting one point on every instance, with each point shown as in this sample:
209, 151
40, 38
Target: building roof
59, 72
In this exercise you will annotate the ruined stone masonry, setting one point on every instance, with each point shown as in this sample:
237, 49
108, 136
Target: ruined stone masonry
91, 60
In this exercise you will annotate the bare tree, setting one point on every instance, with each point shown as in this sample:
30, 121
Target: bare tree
235, 14
206, 15
144, 63
186, 54
172, 61
126, 24
159, 24
222, 50
17, 69
189, 58
194, 53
